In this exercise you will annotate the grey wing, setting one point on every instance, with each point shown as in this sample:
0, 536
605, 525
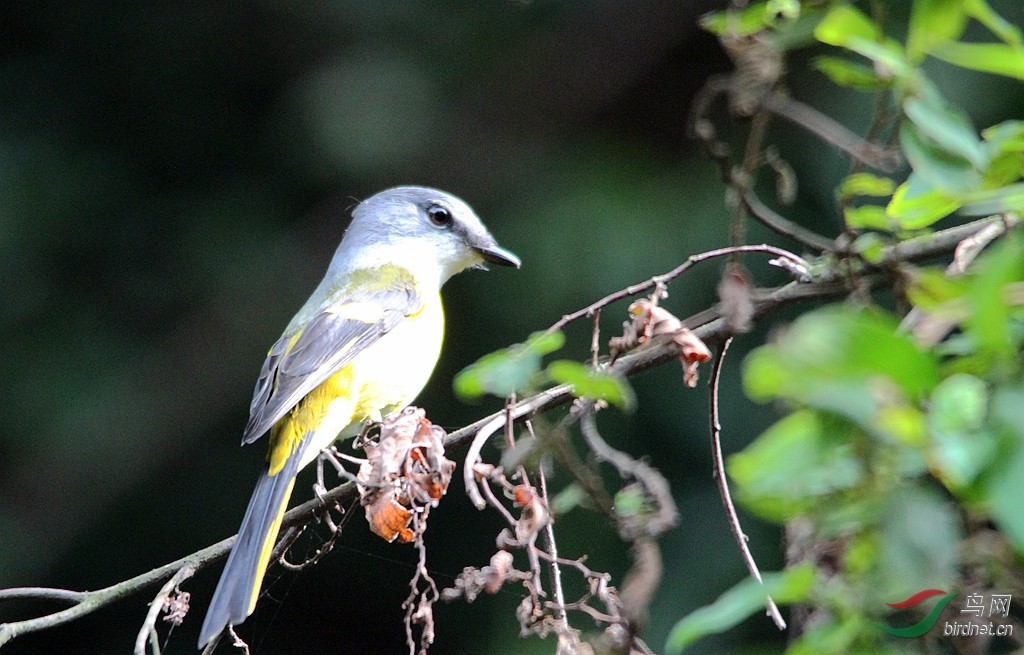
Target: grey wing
300, 361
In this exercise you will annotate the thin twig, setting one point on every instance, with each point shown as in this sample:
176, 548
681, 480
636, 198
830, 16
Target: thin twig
831, 131
422, 611
93, 600
709, 325
555, 573
723, 484
654, 482
741, 182
497, 422
44, 593
665, 278
782, 225
236, 641
930, 328
589, 480
156, 606
944, 241
497, 504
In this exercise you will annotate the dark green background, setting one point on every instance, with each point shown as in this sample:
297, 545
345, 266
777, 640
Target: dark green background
174, 177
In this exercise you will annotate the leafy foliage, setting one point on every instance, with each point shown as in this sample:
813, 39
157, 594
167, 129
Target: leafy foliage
510, 371
517, 369
952, 168
903, 444
894, 453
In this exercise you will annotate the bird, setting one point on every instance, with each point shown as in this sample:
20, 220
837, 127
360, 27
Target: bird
360, 349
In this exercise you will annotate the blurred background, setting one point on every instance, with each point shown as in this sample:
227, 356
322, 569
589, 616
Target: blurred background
174, 178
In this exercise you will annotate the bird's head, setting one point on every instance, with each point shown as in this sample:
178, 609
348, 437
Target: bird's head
428, 231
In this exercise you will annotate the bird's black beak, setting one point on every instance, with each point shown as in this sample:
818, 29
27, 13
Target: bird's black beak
495, 254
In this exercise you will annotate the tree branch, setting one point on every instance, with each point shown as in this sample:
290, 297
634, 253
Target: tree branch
709, 325
665, 278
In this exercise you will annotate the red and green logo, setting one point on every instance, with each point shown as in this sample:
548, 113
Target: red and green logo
925, 624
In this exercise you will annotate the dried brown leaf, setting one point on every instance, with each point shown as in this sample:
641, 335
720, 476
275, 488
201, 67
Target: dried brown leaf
651, 320
534, 516
734, 290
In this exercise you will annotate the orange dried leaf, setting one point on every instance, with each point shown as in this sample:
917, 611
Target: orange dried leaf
524, 495
389, 520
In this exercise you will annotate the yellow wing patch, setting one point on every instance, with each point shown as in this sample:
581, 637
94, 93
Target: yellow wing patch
324, 344
308, 416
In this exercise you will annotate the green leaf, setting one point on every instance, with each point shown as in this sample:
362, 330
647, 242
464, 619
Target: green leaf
788, 9
1007, 136
851, 74
920, 531
867, 217
743, 22
844, 24
984, 14
994, 201
934, 23
568, 499
945, 127
790, 586
1005, 145
631, 502
850, 634
870, 246
1006, 487
505, 372
847, 27
1003, 169
850, 363
937, 166
916, 204
985, 57
866, 184
596, 385
931, 288
961, 449
988, 322
787, 470
838, 345
904, 423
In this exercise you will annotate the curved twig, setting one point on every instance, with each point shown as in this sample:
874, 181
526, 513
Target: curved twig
782, 225
723, 484
148, 631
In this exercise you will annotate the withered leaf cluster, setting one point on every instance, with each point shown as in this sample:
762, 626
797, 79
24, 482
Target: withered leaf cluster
405, 470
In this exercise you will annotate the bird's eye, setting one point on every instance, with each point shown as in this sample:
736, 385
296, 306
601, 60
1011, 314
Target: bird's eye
439, 216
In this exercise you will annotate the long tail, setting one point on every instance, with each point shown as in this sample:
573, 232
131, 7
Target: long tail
239, 586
